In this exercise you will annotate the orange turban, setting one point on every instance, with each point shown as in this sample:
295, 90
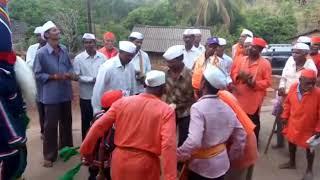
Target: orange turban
109, 97
109, 35
315, 40
308, 73
259, 42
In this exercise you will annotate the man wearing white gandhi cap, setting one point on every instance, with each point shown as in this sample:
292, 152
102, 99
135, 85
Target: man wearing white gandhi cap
32, 50
30, 57
141, 60
290, 75
204, 119
116, 73
197, 40
179, 92
190, 52
54, 72
145, 130
238, 49
86, 66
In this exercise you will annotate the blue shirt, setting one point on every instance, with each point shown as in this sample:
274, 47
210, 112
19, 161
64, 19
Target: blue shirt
48, 63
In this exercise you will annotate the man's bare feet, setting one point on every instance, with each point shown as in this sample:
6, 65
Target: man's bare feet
47, 164
287, 165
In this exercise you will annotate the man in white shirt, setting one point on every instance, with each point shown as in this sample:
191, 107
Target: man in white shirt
197, 40
86, 66
290, 75
30, 56
116, 74
226, 60
141, 60
190, 52
32, 50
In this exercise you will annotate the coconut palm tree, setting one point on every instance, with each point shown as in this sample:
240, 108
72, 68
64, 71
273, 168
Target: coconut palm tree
217, 10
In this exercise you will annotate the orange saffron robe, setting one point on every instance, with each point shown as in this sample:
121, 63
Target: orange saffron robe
198, 72
316, 60
250, 154
145, 129
107, 53
303, 116
237, 51
250, 98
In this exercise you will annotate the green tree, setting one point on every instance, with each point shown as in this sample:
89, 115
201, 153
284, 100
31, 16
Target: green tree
161, 14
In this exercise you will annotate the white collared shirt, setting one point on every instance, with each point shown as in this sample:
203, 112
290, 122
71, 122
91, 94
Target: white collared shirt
86, 67
189, 57
290, 75
146, 66
31, 54
201, 48
113, 75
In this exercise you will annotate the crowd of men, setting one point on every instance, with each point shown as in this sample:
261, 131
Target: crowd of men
201, 114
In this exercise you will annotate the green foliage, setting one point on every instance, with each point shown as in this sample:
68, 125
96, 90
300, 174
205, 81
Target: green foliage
162, 14
273, 28
276, 20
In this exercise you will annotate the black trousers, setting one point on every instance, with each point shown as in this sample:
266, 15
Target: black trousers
40, 106
194, 176
255, 118
86, 116
57, 115
183, 125
14, 166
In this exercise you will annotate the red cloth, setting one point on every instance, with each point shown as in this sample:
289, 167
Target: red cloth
250, 98
109, 97
142, 134
9, 57
109, 35
108, 53
315, 40
239, 51
316, 60
308, 73
303, 116
259, 42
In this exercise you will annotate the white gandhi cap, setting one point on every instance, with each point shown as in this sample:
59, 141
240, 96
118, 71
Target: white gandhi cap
136, 35
304, 39
248, 40
188, 32
196, 31
173, 52
127, 46
38, 30
89, 36
222, 41
246, 32
301, 46
48, 25
215, 76
155, 78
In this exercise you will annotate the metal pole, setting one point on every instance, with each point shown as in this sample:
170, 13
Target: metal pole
89, 16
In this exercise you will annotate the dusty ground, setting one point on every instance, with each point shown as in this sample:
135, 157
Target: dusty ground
266, 167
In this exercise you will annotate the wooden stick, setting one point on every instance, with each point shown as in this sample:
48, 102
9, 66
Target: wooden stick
270, 136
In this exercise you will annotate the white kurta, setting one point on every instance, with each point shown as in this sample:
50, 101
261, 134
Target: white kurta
87, 67
189, 57
31, 54
146, 66
113, 76
290, 75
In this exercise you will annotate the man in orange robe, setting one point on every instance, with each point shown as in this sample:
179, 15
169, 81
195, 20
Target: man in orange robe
251, 78
242, 168
315, 55
200, 64
301, 116
142, 134
109, 50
